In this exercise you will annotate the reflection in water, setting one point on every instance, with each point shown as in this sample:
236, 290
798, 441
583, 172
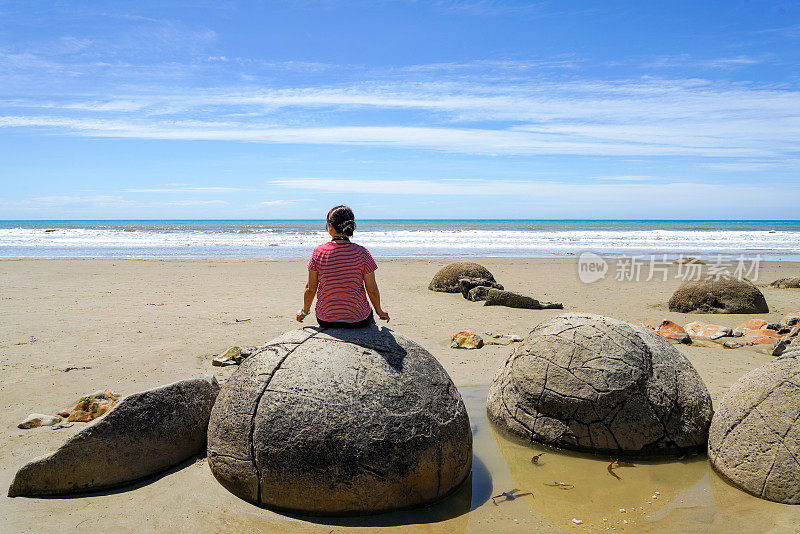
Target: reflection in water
668, 495
569, 486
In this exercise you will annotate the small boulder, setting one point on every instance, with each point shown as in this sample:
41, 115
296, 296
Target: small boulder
497, 297
37, 419
232, 356
725, 295
466, 284
730, 344
446, 280
683, 260
701, 330
477, 294
144, 434
754, 437
593, 383
673, 331
786, 283
466, 340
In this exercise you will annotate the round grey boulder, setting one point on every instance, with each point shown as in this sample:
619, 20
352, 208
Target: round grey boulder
592, 383
447, 279
340, 422
754, 440
725, 295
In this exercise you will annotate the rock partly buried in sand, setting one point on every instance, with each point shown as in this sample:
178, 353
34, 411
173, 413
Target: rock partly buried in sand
786, 283
497, 297
232, 356
701, 330
477, 294
592, 383
467, 284
446, 280
340, 421
144, 434
466, 340
673, 331
39, 419
754, 439
726, 295
91, 406
683, 260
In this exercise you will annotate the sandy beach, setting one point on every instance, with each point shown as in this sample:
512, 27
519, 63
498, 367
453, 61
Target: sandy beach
129, 324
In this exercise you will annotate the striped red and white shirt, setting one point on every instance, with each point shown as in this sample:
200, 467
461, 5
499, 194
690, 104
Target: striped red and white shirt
341, 266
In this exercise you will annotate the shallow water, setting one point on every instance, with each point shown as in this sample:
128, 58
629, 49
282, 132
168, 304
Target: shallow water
673, 495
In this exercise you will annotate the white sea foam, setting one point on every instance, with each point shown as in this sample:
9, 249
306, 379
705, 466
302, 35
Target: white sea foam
98, 241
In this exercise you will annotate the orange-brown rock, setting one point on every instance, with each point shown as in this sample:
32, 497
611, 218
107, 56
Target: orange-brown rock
763, 333
670, 330
91, 407
751, 324
648, 326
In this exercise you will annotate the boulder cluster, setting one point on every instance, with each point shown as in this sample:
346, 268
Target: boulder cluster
751, 332
476, 283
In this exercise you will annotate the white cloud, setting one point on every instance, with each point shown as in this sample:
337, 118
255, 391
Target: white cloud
193, 203
187, 189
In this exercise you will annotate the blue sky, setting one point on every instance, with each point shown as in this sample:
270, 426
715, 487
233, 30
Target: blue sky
402, 109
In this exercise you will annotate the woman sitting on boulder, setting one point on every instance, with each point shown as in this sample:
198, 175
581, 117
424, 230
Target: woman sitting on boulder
342, 274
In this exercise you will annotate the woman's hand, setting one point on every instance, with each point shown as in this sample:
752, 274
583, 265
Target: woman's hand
301, 315
383, 315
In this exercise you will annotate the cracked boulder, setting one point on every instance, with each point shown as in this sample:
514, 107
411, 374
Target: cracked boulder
340, 422
724, 295
754, 440
447, 279
592, 383
144, 434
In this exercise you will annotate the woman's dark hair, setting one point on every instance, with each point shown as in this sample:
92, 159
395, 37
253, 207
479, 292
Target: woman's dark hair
342, 220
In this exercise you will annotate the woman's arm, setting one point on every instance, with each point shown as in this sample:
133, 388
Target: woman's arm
308, 295
374, 295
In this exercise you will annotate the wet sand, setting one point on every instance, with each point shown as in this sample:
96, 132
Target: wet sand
140, 323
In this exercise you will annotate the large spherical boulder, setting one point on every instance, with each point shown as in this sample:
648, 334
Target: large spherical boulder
754, 440
724, 295
340, 422
446, 280
592, 383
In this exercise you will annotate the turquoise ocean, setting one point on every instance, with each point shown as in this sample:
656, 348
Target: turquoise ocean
772, 240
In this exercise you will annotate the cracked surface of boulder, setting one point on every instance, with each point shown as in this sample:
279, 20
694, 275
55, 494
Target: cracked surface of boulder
754, 440
340, 422
446, 280
592, 383
726, 295
144, 434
